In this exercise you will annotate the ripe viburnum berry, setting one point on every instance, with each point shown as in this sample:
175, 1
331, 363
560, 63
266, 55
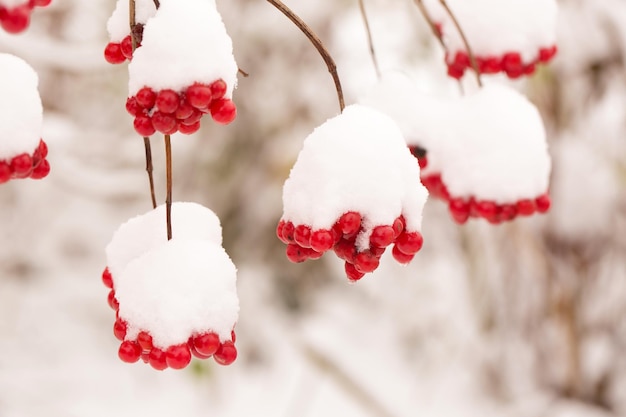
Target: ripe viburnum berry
334, 200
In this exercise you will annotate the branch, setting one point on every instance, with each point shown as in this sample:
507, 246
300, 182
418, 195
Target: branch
472, 57
157, 4
168, 198
317, 43
369, 37
431, 23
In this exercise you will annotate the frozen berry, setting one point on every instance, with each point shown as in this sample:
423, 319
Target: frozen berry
459, 209
352, 273
157, 359
41, 171
508, 212
526, 207
288, 231
167, 101
344, 249
113, 301
143, 125
107, 278
218, 89
199, 96
226, 354
132, 107
398, 227
129, 352
206, 344
400, 256
350, 223
164, 123
113, 53
302, 236
178, 357
5, 172
21, 165
195, 117
119, 329
296, 254
15, 20
409, 243
186, 129
146, 97
322, 240
145, 340
126, 47
223, 111
543, 203
366, 262
184, 110
487, 210
382, 236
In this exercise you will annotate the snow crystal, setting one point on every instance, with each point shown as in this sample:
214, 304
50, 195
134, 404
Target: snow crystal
357, 161
147, 231
495, 27
118, 25
188, 43
20, 107
491, 144
181, 288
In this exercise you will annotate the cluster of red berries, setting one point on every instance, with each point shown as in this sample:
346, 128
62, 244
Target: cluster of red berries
119, 52
33, 166
168, 111
304, 243
510, 63
202, 346
462, 209
16, 19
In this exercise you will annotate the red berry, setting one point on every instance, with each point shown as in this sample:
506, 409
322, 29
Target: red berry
113, 53
146, 98
195, 117
157, 359
143, 125
145, 340
455, 72
490, 65
352, 273
218, 89
206, 344
279, 231
195, 352
233, 336
21, 165
184, 110
296, 254
345, 250
512, 64
41, 171
132, 107
409, 243
167, 101
366, 262
400, 256
129, 352
178, 357
422, 162
107, 278
526, 207
382, 236
459, 209
113, 301
188, 129
487, 209
302, 236
15, 20
546, 54
350, 223
5, 172
119, 329
288, 231
398, 226
199, 96
322, 240
42, 3
543, 203
164, 123
223, 111
126, 47
226, 354
508, 212
529, 69
42, 149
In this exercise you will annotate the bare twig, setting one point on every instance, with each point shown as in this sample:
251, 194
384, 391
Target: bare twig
168, 198
431, 22
242, 72
157, 4
472, 57
370, 41
146, 141
315, 40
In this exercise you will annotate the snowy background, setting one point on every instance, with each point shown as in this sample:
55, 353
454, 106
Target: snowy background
526, 319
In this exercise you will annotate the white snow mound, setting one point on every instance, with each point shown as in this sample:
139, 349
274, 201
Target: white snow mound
357, 161
147, 231
181, 288
118, 24
21, 112
184, 43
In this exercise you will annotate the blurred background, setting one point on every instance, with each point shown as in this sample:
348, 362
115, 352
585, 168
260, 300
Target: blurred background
526, 319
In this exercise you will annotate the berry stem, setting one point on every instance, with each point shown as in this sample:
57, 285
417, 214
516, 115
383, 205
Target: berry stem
157, 4
317, 43
370, 41
168, 198
431, 22
472, 57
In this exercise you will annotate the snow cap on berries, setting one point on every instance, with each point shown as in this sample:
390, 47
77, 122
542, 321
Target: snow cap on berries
179, 289
496, 27
357, 161
21, 112
184, 43
147, 231
500, 152
118, 24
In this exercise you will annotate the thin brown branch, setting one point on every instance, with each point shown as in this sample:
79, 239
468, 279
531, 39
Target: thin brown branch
472, 57
149, 170
431, 22
242, 72
370, 41
317, 43
157, 4
168, 198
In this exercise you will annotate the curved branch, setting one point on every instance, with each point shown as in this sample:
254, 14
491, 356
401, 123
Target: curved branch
431, 23
315, 40
370, 41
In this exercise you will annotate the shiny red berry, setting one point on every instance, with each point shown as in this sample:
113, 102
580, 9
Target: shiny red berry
5, 172
146, 98
126, 47
145, 340
366, 262
132, 107
508, 212
350, 223
119, 329
164, 123
206, 344
352, 273
113, 301
41, 170
15, 20
400, 256
21, 165
129, 352
223, 111
296, 254
344, 249
543, 203
398, 226
167, 101
218, 89
157, 359
302, 236
409, 243
107, 278
113, 53
226, 354
188, 129
322, 240
178, 357
184, 110
382, 236
288, 233
459, 209
526, 207
199, 96
143, 125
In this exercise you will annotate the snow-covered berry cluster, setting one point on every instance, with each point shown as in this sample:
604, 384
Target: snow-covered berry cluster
354, 189
187, 42
176, 298
15, 14
485, 154
22, 151
510, 37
